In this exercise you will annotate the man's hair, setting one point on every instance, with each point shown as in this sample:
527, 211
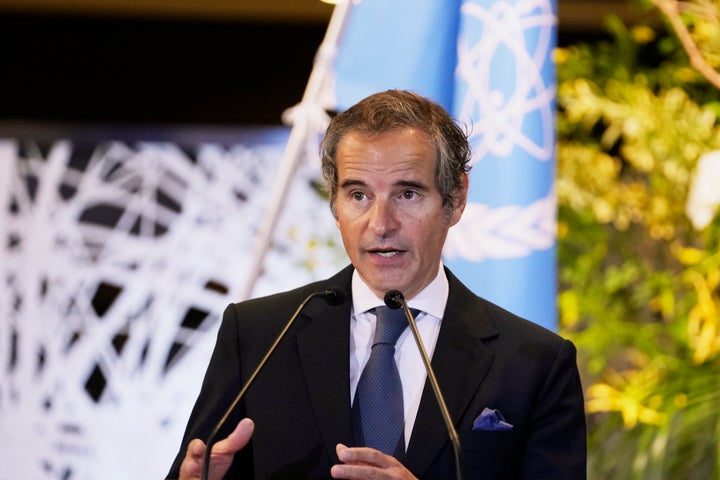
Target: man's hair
391, 110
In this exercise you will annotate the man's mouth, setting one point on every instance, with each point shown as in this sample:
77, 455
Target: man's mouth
386, 253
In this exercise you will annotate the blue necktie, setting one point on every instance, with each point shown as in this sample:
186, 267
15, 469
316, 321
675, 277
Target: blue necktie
377, 412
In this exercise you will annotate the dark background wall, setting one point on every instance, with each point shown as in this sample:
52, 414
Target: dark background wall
213, 63
134, 70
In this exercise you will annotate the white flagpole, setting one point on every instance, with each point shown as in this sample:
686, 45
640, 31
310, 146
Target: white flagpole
307, 118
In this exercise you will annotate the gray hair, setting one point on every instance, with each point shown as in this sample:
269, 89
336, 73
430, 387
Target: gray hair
395, 109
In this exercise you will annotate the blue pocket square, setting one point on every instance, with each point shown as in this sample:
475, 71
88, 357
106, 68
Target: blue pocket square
491, 419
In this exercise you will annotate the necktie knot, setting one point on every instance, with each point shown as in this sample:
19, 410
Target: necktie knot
390, 324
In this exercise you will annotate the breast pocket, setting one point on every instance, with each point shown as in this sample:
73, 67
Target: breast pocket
490, 455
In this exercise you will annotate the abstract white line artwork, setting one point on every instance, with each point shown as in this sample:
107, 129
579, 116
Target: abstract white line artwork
116, 263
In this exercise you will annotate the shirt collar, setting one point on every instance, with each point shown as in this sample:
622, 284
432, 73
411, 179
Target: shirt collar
432, 299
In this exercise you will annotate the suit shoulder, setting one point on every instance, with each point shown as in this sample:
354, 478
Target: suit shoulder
488, 319
283, 304
339, 281
506, 320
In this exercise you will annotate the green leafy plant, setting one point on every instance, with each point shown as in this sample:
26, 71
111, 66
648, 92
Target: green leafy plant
639, 272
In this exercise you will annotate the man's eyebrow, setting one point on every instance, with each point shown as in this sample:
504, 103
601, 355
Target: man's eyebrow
352, 183
412, 184
400, 183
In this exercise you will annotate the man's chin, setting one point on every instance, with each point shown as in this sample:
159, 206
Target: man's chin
383, 282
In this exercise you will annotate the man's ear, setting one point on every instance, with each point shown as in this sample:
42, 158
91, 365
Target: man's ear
460, 199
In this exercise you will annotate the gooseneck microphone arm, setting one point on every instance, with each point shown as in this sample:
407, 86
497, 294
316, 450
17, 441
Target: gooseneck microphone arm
395, 299
331, 295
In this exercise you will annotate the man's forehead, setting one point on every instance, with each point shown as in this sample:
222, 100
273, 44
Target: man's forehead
376, 135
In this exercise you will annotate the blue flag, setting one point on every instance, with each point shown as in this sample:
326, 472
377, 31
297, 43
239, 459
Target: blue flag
406, 44
490, 64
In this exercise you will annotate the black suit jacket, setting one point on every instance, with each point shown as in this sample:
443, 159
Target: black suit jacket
300, 402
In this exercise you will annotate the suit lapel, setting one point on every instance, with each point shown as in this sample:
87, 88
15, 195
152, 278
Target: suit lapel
460, 362
323, 346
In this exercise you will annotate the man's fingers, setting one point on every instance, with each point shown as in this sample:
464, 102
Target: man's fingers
221, 455
191, 465
196, 448
364, 463
364, 456
237, 439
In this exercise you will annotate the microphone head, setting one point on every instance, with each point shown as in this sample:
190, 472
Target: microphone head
334, 296
394, 299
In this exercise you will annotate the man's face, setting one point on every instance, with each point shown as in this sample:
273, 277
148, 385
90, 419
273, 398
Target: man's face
390, 212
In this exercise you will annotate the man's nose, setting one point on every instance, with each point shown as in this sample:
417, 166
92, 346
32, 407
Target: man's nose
383, 217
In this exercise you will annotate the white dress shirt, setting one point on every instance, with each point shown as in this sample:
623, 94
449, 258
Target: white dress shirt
431, 302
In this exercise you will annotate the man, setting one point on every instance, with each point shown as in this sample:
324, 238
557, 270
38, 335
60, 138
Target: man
396, 167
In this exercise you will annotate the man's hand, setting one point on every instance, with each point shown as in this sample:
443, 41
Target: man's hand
221, 456
367, 463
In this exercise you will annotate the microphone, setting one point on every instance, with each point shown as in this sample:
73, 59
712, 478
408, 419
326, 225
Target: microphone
394, 299
332, 296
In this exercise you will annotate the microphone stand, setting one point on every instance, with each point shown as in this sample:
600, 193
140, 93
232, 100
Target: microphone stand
333, 296
395, 299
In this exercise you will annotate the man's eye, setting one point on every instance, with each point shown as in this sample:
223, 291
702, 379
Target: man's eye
408, 194
357, 195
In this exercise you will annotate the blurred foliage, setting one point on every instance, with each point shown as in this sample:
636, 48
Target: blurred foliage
638, 283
